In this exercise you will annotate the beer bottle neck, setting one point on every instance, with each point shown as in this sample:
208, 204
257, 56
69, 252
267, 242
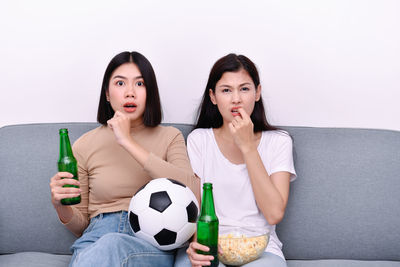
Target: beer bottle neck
65, 145
207, 202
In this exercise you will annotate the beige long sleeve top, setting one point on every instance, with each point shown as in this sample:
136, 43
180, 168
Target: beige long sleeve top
110, 176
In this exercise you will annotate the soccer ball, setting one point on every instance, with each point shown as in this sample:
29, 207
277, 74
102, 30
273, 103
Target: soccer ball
164, 212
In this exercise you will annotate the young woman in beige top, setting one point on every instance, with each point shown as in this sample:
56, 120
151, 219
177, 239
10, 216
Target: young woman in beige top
129, 149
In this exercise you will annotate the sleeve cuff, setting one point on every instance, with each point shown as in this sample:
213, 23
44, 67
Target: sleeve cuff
75, 224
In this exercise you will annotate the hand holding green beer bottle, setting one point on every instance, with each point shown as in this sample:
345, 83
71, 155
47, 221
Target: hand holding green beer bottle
67, 163
207, 225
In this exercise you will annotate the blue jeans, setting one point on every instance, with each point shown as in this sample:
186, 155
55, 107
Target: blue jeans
267, 259
109, 241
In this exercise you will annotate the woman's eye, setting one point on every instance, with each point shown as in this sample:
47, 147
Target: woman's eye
225, 90
245, 89
120, 83
140, 83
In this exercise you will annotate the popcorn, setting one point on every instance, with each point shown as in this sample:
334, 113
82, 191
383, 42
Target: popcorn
239, 250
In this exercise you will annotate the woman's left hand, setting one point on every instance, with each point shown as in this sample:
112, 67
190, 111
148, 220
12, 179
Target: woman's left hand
121, 126
241, 128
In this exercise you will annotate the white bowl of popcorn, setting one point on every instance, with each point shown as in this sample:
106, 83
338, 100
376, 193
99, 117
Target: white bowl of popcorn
241, 245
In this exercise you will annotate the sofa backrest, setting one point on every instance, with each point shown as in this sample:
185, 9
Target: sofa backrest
345, 203
28, 159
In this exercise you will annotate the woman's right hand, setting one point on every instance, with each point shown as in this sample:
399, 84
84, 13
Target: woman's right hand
59, 192
120, 124
196, 259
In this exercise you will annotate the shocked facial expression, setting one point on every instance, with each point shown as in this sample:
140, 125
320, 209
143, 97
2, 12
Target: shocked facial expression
127, 92
235, 90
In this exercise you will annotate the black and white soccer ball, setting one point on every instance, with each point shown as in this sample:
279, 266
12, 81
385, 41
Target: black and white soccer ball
164, 213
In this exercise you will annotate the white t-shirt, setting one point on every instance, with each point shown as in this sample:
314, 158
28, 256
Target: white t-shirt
234, 200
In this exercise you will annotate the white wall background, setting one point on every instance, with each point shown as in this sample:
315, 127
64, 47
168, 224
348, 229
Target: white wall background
322, 63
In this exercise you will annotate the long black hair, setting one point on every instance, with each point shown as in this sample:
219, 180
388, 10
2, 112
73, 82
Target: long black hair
152, 114
209, 115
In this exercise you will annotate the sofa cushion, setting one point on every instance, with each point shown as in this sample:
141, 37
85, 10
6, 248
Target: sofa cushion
341, 263
35, 259
345, 203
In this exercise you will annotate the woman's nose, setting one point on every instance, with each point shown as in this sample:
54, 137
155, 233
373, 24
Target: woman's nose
130, 91
235, 97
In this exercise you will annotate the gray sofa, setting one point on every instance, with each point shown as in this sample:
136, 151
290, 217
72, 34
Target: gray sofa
344, 208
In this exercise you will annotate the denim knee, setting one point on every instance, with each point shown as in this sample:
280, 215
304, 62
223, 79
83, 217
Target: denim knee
125, 242
116, 249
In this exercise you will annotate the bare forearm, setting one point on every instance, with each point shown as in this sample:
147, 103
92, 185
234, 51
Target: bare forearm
268, 198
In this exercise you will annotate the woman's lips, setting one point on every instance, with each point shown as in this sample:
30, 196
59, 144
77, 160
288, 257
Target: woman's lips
235, 111
129, 107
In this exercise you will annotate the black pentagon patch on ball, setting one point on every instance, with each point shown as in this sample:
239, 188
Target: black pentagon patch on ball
160, 201
134, 221
192, 211
176, 182
165, 237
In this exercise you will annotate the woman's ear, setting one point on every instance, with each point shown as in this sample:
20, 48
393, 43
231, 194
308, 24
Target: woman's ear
107, 96
258, 93
212, 96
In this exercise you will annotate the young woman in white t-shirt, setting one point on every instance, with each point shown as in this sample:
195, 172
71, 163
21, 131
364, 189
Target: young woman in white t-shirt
249, 162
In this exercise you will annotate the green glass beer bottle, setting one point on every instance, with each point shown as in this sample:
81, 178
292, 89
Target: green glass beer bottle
67, 163
207, 225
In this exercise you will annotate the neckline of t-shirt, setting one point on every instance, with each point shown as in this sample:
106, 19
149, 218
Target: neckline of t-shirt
227, 161
142, 130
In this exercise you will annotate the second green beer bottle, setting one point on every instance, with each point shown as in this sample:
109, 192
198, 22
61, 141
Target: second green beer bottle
68, 163
207, 225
